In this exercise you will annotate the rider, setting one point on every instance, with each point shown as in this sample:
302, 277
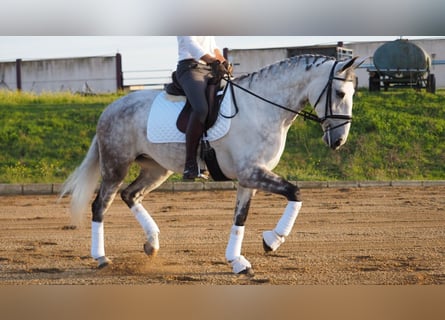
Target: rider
199, 59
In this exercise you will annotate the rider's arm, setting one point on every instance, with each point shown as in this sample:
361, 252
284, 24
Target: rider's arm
191, 47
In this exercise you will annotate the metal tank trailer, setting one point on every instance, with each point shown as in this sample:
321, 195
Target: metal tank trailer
401, 63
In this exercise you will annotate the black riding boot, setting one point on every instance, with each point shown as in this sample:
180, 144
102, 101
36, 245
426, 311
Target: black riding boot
193, 135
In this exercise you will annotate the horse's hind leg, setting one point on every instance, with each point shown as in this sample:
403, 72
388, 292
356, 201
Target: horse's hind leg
151, 176
104, 198
240, 264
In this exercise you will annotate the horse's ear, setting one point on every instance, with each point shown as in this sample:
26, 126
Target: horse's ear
358, 62
351, 63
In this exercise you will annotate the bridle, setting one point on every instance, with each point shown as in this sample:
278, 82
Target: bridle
306, 115
328, 106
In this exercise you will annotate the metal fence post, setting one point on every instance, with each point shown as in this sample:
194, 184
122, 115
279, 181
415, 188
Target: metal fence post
18, 70
119, 75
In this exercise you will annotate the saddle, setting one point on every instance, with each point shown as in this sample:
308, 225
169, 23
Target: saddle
214, 101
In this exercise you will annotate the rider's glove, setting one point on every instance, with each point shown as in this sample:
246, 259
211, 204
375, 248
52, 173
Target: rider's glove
218, 69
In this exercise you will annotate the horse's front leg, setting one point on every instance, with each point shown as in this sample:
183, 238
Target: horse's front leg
240, 264
268, 181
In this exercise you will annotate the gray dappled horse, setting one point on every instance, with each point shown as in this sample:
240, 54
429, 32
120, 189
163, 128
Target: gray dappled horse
248, 152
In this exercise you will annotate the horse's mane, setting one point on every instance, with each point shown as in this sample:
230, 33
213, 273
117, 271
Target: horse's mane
309, 61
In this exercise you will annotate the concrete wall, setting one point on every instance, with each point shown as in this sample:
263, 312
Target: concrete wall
250, 60
89, 74
8, 77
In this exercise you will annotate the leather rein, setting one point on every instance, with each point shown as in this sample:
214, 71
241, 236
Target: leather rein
306, 115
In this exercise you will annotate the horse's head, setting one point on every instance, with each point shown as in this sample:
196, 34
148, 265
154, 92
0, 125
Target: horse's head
332, 101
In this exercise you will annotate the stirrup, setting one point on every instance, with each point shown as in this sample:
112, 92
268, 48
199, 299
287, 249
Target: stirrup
203, 174
189, 175
191, 171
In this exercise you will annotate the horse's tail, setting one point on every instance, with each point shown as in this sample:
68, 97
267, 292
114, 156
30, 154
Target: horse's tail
82, 183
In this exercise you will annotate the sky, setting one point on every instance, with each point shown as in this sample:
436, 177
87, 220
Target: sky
146, 52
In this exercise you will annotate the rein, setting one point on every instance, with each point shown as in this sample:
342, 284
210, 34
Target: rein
306, 115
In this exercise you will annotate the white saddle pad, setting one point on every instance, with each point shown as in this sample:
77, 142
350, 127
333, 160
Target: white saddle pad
161, 126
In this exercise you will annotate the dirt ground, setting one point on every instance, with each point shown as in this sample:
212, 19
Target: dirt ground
343, 236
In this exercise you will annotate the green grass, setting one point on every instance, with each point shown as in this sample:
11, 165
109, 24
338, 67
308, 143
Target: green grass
44, 137
394, 135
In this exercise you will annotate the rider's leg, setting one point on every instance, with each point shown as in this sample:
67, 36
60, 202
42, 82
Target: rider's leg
193, 135
193, 80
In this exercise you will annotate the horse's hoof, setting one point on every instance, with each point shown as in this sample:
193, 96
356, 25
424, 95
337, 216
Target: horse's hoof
247, 272
266, 247
240, 265
103, 262
271, 241
150, 250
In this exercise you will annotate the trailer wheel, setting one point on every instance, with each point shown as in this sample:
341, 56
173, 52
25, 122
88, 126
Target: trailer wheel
431, 83
374, 82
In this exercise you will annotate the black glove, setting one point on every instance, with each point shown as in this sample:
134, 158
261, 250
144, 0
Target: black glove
229, 67
218, 69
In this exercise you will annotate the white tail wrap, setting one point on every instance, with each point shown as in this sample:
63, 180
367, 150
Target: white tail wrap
97, 240
233, 249
148, 224
287, 220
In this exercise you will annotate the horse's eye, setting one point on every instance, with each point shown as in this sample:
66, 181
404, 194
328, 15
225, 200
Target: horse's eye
340, 94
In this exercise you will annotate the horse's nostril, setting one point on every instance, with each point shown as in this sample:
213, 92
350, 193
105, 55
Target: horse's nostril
338, 143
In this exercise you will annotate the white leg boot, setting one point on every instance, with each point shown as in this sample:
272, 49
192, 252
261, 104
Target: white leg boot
97, 244
233, 251
150, 228
274, 238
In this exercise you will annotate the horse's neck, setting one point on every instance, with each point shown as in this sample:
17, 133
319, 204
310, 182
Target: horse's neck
285, 85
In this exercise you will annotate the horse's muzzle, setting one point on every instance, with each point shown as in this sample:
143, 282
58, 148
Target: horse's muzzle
333, 142
335, 135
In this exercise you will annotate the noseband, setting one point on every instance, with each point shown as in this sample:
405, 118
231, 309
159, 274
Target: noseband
328, 106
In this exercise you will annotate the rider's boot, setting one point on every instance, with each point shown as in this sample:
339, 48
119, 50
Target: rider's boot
193, 135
